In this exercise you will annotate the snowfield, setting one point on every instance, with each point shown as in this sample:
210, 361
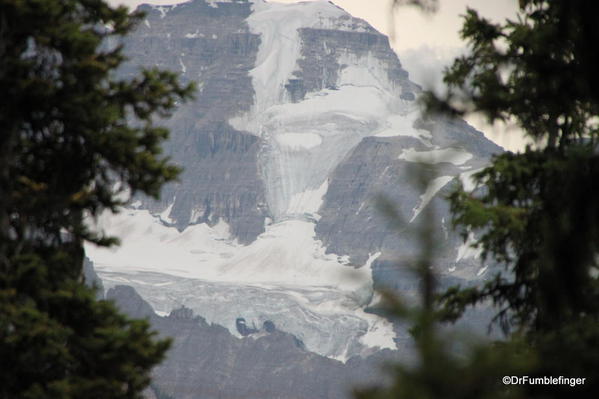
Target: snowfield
284, 276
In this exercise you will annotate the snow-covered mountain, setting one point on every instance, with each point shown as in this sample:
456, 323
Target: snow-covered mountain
303, 116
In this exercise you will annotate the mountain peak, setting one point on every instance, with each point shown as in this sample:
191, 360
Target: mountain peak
303, 116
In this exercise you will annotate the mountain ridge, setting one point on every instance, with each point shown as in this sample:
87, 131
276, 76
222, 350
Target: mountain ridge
304, 115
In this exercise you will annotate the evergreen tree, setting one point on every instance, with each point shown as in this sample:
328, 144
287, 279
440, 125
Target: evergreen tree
537, 212
74, 141
446, 365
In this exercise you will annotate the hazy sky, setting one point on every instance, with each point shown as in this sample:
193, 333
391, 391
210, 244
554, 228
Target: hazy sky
424, 43
411, 26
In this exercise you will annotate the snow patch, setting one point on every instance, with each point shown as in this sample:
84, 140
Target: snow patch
196, 214
379, 335
299, 141
467, 181
467, 250
308, 201
433, 187
403, 125
455, 156
380, 331
215, 3
444, 227
222, 229
194, 35
163, 10
165, 215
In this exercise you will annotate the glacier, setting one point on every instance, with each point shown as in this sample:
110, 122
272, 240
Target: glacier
284, 276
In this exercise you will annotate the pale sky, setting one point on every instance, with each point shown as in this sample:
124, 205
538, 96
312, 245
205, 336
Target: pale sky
424, 43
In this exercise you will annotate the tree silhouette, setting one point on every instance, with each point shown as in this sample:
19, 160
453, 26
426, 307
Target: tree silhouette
74, 141
537, 212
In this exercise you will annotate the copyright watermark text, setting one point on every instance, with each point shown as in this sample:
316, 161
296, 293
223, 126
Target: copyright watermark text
527, 380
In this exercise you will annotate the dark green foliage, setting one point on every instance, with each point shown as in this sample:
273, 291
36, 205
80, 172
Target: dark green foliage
538, 70
58, 341
539, 216
537, 213
447, 365
477, 374
74, 140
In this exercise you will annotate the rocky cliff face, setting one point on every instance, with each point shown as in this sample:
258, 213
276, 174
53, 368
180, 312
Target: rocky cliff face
206, 361
91, 279
304, 115
351, 223
213, 46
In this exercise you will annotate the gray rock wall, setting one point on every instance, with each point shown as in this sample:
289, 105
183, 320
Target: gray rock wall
91, 279
351, 222
206, 361
213, 47
319, 65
